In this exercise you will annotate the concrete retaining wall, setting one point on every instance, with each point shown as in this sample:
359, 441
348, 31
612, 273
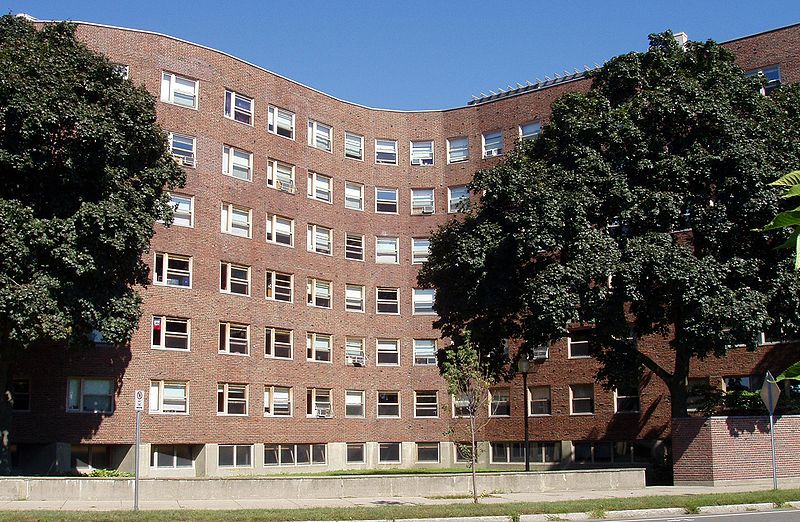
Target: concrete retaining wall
363, 486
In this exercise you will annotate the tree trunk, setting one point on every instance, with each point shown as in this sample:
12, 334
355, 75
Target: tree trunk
474, 459
679, 383
6, 403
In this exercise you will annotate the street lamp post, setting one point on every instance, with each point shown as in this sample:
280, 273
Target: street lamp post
523, 365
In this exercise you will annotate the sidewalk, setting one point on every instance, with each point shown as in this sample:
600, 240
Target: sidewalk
502, 498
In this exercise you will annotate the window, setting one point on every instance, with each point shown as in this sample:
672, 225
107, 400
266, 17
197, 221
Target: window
427, 452
318, 402
423, 301
422, 201
772, 75
389, 452
169, 397
354, 403
354, 247
499, 403
236, 220
388, 352
386, 152
172, 270
626, 399
320, 240
420, 248
319, 292
355, 453
277, 401
425, 352
492, 144
578, 344
422, 153
280, 175
179, 90
353, 195
387, 250
540, 452
21, 394
320, 136
353, 146
456, 198
354, 298
457, 149
742, 383
294, 454
170, 333
581, 399
232, 399
234, 279
280, 230
183, 149
354, 354
279, 286
235, 456
695, 393
318, 347
90, 395
234, 339
388, 301
385, 200
539, 397
426, 404
320, 187
90, 456
388, 404
237, 163
461, 405
529, 131
171, 456
238, 107
183, 210
278, 343
280, 122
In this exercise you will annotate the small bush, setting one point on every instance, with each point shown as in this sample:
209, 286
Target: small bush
108, 473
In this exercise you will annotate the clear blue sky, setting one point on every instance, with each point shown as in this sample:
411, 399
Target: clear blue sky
429, 54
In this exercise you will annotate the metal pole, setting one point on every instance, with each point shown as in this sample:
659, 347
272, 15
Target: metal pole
136, 458
772, 440
527, 440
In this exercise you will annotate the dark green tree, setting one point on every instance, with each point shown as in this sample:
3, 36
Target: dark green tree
83, 169
634, 212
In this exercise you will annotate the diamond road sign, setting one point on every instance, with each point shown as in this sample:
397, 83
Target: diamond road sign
770, 392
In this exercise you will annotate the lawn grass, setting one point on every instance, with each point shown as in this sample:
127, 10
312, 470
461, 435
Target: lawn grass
389, 512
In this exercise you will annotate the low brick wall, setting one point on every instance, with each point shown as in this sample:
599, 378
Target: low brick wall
727, 450
364, 486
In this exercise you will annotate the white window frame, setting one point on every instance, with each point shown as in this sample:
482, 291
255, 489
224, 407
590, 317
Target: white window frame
384, 201
271, 283
424, 359
573, 398
277, 177
226, 286
495, 150
354, 350
184, 157
225, 328
270, 333
231, 110
423, 201
498, 392
350, 302
421, 445
156, 400
422, 304
311, 347
361, 404
314, 291
229, 156
236, 463
384, 347
316, 130
313, 243
389, 404
453, 203
426, 406
156, 450
163, 321
387, 147
269, 401
162, 273
385, 255
416, 257
273, 220
177, 205
350, 187
227, 221
82, 395
281, 450
314, 187
582, 343
273, 114
357, 137
532, 400
349, 238
450, 149
399, 452
316, 405
225, 388
618, 398
422, 152
385, 301
525, 134
169, 89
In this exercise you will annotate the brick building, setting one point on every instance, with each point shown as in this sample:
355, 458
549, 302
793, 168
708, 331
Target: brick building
283, 330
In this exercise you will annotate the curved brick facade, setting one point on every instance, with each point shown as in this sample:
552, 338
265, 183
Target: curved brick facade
148, 56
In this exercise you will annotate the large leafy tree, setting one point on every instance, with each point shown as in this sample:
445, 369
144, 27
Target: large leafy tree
83, 168
633, 212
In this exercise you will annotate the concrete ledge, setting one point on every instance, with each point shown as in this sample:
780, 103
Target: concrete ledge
315, 487
642, 513
736, 508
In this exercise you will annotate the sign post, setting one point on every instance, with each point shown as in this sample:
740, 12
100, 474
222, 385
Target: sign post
138, 403
769, 394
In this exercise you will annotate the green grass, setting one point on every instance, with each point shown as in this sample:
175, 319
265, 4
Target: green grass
688, 502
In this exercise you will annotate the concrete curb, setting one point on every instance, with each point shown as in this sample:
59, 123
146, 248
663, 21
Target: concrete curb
736, 508
655, 512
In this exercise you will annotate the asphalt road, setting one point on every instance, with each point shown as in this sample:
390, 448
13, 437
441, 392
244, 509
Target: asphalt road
792, 515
